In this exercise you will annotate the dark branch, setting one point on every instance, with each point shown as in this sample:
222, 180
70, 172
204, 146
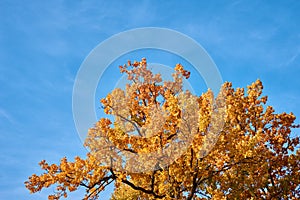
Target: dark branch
131, 122
151, 192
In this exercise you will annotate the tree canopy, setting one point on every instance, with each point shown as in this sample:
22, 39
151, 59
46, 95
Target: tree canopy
160, 141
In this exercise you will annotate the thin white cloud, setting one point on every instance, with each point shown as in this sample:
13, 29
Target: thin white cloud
291, 59
4, 114
235, 3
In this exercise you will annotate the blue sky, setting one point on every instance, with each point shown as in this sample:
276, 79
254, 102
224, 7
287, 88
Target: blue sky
43, 43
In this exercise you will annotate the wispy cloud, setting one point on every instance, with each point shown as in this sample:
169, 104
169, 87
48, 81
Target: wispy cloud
5, 115
291, 59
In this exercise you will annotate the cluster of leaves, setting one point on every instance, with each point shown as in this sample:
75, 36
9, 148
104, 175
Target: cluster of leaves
159, 145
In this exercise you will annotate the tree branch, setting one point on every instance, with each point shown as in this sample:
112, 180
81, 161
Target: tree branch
151, 192
131, 122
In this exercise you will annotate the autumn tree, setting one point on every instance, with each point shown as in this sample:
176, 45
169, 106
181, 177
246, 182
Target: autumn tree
163, 142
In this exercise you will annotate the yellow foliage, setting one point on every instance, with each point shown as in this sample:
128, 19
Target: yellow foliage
165, 143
